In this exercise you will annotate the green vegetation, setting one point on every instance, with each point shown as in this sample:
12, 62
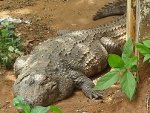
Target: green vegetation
10, 45
144, 49
19, 103
124, 69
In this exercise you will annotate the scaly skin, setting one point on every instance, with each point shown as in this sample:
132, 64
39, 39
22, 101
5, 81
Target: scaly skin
118, 7
57, 66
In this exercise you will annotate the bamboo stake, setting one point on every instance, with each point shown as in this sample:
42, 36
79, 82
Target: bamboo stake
128, 18
137, 23
131, 26
137, 19
130, 21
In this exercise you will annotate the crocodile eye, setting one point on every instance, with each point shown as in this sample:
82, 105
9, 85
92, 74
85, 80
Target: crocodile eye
43, 83
29, 80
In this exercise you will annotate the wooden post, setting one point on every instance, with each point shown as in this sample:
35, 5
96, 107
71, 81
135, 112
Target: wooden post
130, 21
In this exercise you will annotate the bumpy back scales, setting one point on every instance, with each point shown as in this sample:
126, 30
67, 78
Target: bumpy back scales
57, 66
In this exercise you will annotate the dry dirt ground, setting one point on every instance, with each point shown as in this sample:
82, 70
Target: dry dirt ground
49, 16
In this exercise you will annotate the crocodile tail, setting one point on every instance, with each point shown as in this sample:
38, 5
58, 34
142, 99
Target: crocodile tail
115, 8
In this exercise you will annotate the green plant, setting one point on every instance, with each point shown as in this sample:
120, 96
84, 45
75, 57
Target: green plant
124, 69
144, 49
10, 45
19, 103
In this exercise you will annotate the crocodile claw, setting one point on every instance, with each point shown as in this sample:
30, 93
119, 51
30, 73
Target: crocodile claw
93, 94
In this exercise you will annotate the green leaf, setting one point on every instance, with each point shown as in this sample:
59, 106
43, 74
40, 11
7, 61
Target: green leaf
107, 80
146, 57
128, 84
137, 78
147, 43
19, 103
40, 109
11, 49
5, 59
5, 33
131, 62
17, 52
115, 61
142, 49
134, 68
55, 109
128, 48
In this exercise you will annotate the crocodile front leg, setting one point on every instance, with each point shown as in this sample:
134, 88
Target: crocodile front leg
87, 87
83, 82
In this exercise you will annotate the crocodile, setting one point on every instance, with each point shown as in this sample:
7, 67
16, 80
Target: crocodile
57, 66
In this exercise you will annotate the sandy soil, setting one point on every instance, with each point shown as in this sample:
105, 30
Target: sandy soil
49, 16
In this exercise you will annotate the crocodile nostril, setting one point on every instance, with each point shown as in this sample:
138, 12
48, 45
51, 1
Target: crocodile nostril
52, 85
44, 80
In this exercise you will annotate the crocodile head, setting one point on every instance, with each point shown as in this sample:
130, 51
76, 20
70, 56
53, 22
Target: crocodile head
42, 90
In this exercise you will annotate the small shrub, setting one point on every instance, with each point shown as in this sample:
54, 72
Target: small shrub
144, 49
124, 69
10, 45
19, 103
